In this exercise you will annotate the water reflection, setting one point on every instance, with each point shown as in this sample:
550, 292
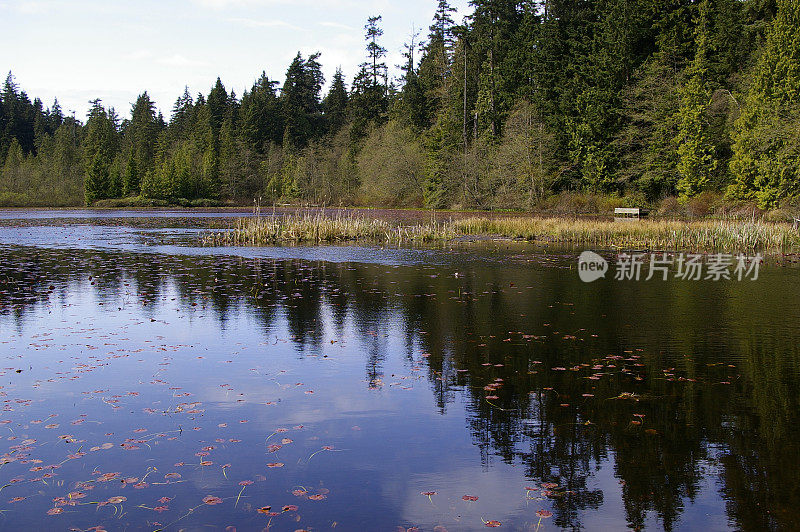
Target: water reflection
660, 404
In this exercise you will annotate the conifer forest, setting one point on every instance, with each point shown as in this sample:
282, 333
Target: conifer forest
516, 104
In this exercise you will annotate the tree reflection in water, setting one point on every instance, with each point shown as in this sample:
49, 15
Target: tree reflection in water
674, 384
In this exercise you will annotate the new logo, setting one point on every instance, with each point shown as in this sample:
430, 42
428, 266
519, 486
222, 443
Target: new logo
591, 266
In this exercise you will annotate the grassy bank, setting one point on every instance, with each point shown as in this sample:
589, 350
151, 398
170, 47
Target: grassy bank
705, 235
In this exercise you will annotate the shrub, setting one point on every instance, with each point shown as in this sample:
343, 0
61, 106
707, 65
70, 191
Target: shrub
701, 205
14, 199
392, 167
670, 207
777, 216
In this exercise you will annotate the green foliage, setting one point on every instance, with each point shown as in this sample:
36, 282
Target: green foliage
524, 163
393, 166
300, 99
766, 150
696, 160
139, 144
335, 103
522, 101
368, 101
375, 65
217, 105
435, 180
100, 148
283, 184
261, 117
646, 141
13, 166
495, 23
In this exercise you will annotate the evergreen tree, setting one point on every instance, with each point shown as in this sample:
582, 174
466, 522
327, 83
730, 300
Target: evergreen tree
100, 148
262, 121
494, 24
56, 117
435, 69
335, 103
182, 115
217, 105
375, 51
300, 100
140, 143
765, 164
368, 96
18, 116
443, 23
696, 159
410, 105
40, 123
229, 171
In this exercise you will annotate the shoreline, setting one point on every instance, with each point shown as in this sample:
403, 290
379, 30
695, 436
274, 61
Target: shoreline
728, 236
286, 225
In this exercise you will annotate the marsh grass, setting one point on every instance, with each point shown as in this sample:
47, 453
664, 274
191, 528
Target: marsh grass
706, 235
321, 229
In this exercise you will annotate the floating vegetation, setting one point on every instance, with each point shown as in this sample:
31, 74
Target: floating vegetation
705, 235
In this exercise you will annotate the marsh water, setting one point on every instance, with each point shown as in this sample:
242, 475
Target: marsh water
148, 383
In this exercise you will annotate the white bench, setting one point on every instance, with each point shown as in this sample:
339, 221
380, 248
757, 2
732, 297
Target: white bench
624, 212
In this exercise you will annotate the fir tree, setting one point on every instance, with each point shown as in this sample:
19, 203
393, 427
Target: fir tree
300, 101
217, 105
375, 51
696, 158
335, 103
765, 164
100, 148
140, 143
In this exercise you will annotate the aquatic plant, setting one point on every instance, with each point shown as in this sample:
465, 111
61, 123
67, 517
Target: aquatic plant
705, 235
318, 229
728, 235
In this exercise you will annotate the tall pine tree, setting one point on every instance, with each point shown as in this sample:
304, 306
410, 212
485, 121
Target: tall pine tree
766, 150
100, 148
696, 155
335, 103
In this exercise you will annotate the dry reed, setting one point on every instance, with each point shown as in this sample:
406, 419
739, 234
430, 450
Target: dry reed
705, 235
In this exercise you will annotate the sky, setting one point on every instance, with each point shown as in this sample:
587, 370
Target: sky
78, 50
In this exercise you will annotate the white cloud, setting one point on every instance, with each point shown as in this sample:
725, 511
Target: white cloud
219, 4
253, 23
336, 25
27, 7
139, 55
127, 47
326, 4
178, 60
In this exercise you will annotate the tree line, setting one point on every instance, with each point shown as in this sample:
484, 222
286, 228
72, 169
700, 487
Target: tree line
517, 102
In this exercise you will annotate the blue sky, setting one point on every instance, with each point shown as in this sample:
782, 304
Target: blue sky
78, 50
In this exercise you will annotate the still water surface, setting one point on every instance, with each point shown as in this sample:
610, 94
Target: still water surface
370, 389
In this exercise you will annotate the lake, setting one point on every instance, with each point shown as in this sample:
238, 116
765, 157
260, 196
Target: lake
148, 383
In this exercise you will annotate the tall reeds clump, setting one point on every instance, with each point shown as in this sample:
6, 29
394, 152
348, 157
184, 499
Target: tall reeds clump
728, 236
321, 229
707, 235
